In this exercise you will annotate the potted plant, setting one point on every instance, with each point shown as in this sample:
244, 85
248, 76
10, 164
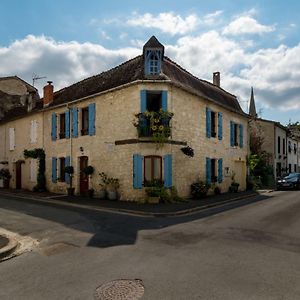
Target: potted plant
112, 188
188, 151
199, 189
89, 170
5, 177
70, 170
217, 190
103, 185
153, 194
234, 187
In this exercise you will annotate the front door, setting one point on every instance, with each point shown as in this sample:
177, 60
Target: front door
18, 175
84, 179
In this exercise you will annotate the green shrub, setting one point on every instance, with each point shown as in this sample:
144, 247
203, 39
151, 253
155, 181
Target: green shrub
199, 189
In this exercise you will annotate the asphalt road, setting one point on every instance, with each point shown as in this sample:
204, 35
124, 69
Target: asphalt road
245, 250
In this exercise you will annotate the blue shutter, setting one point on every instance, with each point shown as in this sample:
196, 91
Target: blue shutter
137, 171
67, 124
168, 170
92, 108
53, 127
208, 122
143, 100
208, 170
231, 134
67, 164
220, 126
220, 170
164, 100
241, 135
143, 121
54, 169
74, 122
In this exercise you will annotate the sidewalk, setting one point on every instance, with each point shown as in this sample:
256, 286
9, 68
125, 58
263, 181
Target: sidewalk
159, 210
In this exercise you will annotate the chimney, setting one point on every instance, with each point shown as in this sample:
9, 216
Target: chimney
216, 78
48, 94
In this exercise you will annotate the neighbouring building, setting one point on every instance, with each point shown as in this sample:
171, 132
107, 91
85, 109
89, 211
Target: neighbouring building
105, 121
277, 141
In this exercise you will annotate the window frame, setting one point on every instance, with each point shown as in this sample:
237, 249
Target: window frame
213, 170
152, 157
62, 126
84, 130
213, 124
62, 166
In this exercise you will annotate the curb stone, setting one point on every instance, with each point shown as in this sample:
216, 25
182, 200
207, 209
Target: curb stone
55, 203
9, 248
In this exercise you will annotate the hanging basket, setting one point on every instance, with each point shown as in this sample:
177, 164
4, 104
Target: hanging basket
188, 151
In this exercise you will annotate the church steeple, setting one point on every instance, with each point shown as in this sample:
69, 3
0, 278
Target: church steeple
252, 108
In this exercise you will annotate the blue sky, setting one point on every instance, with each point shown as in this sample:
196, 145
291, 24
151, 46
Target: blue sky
249, 42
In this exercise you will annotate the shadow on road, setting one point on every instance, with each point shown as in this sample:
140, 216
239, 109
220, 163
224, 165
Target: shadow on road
112, 229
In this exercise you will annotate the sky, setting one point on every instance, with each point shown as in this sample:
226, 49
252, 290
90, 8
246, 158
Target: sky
252, 43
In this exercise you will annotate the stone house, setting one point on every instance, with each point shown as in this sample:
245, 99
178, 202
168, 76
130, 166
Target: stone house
105, 121
277, 142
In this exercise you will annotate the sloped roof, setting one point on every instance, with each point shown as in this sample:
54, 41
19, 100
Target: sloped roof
133, 70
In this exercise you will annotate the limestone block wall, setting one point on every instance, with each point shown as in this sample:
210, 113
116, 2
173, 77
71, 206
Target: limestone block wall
114, 121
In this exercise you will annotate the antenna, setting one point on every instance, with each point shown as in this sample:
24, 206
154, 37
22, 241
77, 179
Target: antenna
36, 77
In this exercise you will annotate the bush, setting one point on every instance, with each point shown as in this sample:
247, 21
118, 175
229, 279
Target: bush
69, 169
199, 189
89, 170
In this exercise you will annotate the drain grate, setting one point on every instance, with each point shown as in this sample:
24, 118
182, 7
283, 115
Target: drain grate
122, 289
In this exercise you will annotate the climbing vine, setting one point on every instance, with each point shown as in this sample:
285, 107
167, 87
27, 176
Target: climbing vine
38, 153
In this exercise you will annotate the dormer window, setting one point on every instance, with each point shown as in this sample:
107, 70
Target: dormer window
152, 64
153, 52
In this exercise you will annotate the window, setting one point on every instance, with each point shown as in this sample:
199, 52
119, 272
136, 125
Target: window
295, 168
33, 131
295, 149
290, 168
289, 146
283, 146
62, 165
154, 101
153, 58
213, 124
62, 126
278, 145
214, 177
12, 144
152, 168
235, 134
85, 121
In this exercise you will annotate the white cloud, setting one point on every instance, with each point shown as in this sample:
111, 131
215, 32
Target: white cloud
246, 25
62, 62
166, 22
274, 72
212, 18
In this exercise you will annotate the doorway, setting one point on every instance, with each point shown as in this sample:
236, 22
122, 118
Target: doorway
18, 175
84, 179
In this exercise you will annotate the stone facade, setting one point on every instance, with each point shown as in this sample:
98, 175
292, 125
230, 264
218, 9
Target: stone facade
115, 112
28, 134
